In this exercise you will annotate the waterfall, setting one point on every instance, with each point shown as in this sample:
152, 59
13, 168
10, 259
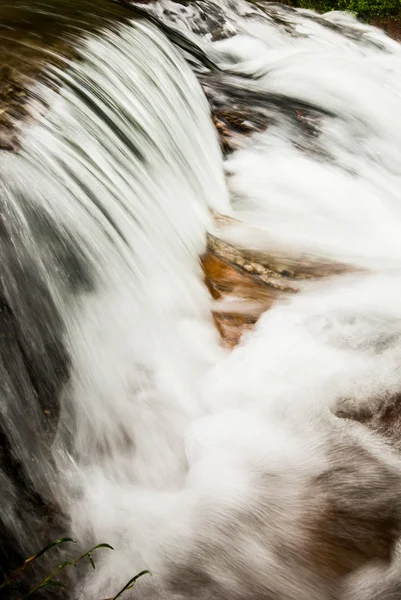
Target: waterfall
227, 474
105, 210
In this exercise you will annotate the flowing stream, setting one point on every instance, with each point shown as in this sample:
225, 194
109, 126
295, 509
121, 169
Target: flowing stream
198, 463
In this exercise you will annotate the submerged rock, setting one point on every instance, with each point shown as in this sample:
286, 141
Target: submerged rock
245, 282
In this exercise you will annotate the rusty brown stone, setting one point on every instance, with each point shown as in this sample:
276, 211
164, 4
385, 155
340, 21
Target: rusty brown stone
232, 326
248, 286
245, 282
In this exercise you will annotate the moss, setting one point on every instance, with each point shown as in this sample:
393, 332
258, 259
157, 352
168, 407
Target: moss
364, 9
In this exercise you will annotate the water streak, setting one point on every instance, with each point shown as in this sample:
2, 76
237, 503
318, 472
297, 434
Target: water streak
218, 471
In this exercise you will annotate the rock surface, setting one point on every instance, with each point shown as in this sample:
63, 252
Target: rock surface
245, 282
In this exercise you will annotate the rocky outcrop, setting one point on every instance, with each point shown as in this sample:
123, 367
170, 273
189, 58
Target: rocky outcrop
245, 282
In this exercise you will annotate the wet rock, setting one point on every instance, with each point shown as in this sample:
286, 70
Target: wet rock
381, 414
245, 282
35, 36
392, 26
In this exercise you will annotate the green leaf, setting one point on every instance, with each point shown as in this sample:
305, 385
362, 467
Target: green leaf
67, 563
31, 559
53, 544
103, 546
131, 583
47, 583
52, 583
91, 560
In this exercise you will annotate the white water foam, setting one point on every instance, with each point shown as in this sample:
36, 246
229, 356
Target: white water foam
193, 462
269, 399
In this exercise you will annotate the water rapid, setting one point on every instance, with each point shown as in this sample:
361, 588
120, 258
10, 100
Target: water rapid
227, 474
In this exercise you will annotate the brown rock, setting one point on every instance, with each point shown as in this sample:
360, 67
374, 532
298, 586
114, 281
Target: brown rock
245, 282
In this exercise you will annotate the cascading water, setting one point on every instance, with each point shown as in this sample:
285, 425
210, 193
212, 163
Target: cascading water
107, 205
226, 474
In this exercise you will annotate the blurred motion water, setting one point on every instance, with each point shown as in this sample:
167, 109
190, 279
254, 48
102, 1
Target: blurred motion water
226, 474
